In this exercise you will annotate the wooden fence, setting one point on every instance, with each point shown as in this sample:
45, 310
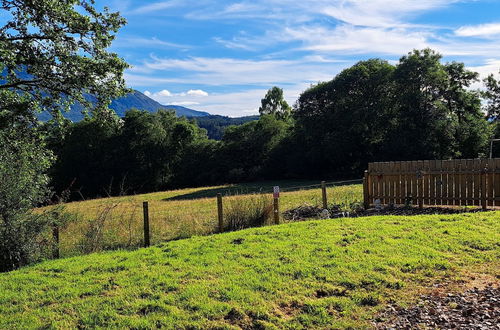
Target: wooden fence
461, 182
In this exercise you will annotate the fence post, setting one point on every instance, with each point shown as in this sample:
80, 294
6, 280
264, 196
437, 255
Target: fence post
55, 234
219, 212
366, 192
276, 209
323, 193
147, 238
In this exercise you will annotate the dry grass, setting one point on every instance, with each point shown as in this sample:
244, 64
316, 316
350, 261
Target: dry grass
174, 214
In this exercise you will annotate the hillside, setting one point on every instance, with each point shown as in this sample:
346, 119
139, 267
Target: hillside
215, 124
136, 100
317, 274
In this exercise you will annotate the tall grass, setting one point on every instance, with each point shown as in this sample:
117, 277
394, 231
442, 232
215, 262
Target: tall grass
117, 222
246, 212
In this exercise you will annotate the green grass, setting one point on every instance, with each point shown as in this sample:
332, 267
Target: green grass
315, 274
178, 213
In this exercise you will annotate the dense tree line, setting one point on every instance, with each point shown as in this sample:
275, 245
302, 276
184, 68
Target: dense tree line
419, 108
216, 125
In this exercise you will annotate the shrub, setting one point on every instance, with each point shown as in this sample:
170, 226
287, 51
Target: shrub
23, 185
246, 212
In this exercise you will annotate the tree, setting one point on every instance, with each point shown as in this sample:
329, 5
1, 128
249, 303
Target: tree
53, 52
274, 103
492, 96
439, 117
343, 123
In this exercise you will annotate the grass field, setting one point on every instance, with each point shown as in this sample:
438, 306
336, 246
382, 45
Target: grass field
118, 221
315, 274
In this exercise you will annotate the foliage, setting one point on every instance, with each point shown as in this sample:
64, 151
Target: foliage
274, 104
53, 52
23, 166
419, 108
113, 156
374, 111
314, 274
216, 125
492, 96
247, 212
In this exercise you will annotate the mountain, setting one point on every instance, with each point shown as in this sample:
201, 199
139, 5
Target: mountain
120, 105
140, 101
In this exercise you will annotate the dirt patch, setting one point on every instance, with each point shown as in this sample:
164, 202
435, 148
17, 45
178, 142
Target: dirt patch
470, 304
314, 212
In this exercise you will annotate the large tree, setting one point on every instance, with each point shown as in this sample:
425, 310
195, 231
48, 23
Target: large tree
492, 96
53, 52
273, 103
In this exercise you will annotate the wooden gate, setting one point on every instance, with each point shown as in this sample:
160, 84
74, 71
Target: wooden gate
461, 182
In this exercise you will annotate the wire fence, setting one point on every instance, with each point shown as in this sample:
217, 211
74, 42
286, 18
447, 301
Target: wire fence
119, 222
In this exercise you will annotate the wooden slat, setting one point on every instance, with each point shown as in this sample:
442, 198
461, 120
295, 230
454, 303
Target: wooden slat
432, 183
426, 179
463, 183
444, 179
477, 181
439, 182
491, 182
448, 182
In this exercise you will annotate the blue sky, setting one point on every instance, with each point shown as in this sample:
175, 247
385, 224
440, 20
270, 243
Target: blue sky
222, 56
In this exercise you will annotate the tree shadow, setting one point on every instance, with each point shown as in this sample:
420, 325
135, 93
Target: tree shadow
264, 187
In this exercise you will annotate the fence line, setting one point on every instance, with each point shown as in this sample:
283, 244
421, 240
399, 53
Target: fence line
134, 223
461, 182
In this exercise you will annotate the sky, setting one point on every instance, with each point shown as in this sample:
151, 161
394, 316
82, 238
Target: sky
222, 56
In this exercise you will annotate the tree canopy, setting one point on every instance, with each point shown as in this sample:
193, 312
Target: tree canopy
273, 103
54, 52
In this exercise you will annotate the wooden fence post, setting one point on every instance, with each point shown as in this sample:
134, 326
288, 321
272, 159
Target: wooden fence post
55, 234
147, 238
366, 192
220, 212
323, 194
276, 209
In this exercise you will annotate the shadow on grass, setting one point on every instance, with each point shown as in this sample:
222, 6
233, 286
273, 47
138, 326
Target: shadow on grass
265, 187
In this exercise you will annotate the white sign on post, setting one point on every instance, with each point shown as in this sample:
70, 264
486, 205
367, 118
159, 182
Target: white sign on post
276, 192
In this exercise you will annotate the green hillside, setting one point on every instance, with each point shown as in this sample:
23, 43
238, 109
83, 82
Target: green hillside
318, 274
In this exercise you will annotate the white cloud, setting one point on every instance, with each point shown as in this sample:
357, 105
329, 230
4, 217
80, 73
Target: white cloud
348, 38
380, 13
164, 93
184, 103
153, 42
482, 30
153, 7
196, 92
231, 71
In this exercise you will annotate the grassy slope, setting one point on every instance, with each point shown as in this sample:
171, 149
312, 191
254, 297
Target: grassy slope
180, 213
329, 273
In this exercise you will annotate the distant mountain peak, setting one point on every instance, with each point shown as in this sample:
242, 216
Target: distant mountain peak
136, 100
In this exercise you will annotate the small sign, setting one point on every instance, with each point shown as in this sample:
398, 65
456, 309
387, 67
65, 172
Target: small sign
276, 192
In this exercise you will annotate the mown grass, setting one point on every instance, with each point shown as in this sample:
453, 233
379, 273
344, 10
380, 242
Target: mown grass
315, 274
175, 214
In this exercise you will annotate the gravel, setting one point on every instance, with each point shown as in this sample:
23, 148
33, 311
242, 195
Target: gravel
472, 309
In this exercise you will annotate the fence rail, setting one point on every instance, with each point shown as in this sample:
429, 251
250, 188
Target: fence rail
461, 182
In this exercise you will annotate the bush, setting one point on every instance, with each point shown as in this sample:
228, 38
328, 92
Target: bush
246, 212
23, 185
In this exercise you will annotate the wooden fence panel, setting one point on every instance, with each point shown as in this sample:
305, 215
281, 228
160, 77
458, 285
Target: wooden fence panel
461, 182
